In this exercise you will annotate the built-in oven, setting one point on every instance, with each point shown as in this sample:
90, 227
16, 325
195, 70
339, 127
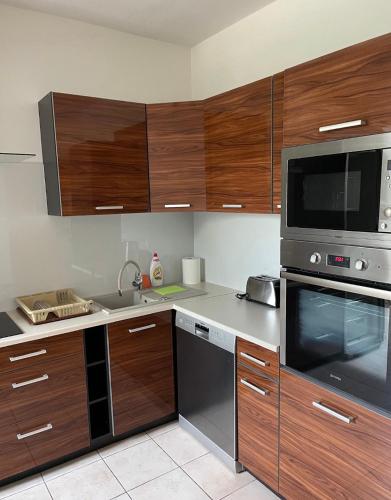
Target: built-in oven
338, 191
336, 318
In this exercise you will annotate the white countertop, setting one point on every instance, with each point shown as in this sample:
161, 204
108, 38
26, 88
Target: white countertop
257, 323
219, 307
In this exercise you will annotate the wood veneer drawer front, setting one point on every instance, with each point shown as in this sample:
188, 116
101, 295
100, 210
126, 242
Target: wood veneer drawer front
40, 439
249, 380
349, 85
41, 354
258, 357
324, 456
258, 426
35, 391
142, 323
142, 371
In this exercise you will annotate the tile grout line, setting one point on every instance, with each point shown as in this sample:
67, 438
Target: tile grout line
195, 482
127, 448
122, 486
180, 467
20, 491
68, 472
46, 486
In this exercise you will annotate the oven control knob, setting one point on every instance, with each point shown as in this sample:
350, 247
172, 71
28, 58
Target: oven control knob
315, 258
387, 212
361, 264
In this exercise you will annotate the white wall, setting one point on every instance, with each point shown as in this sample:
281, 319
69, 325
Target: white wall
283, 34
236, 246
40, 53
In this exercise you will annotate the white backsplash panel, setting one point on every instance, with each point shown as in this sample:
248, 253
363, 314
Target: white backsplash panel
236, 246
40, 252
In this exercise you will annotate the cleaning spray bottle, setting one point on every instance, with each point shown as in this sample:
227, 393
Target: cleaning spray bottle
156, 271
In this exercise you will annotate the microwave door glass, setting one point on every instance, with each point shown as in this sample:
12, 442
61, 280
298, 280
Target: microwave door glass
338, 192
341, 339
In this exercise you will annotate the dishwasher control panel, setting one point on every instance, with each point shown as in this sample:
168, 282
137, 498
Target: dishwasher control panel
217, 336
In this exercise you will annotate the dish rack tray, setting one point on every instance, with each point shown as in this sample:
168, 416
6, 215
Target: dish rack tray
62, 303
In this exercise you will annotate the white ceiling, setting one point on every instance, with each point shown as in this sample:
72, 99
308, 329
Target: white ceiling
186, 22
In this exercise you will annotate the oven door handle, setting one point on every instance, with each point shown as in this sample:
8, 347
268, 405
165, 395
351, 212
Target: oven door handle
337, 285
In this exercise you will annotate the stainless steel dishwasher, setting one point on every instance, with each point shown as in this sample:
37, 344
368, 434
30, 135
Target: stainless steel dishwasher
206, 386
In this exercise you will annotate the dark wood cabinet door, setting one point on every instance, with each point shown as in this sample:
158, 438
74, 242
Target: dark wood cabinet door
258, 424
238, 149
348, 85
278, 109
43, 402
142, 371
176, 156
324, 457
95, 155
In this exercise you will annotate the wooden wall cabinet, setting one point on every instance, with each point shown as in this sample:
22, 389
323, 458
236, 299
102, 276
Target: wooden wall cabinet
95, 155
258, 407
324, 457
238, 149
43, 402
345, 86
176, 156
277, 134
142, 371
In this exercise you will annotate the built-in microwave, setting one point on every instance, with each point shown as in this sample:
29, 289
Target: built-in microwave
338, 191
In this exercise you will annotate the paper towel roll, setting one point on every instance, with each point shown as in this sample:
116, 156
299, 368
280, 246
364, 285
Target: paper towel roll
191, 270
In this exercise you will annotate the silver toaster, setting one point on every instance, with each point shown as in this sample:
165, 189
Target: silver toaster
263, 289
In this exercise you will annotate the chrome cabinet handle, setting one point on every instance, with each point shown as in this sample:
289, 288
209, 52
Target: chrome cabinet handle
178, 205
141, 328
110, 207
259, 390
255, 360
344, 418
47, 427
278, 205
232, 206
25, 356
15, 385
336, 126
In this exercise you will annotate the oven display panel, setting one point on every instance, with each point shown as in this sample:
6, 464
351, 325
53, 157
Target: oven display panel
338, 261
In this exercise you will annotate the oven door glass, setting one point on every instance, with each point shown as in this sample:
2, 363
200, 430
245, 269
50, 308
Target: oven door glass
337, 192
340, 338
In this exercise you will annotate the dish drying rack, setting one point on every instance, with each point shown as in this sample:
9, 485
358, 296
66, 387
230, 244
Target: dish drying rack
62, 304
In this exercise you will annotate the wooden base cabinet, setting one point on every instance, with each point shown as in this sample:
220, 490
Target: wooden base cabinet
142, 371
43, 402
257, 394
331, 447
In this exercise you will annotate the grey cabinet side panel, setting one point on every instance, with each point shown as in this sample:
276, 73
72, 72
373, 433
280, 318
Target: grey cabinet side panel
49, 153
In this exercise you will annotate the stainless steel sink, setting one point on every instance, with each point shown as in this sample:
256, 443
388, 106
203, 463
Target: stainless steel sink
113, 302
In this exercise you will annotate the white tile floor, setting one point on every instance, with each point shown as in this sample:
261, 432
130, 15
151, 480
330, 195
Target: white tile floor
163, 464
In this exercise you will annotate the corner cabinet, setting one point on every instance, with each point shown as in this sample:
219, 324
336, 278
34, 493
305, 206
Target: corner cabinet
176, 156
95, 155
330, 447
348, 92
238, 149
142, 371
